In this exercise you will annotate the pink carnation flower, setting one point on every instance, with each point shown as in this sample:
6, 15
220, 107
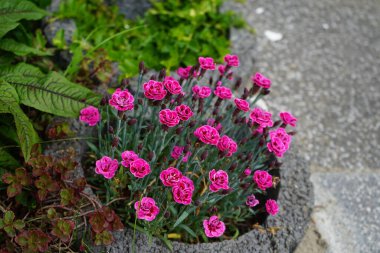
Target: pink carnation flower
288, 118
201, 91
225, 143
183, 191
184, 72
223, 92
261, 81
207, 63
251, 201
90, 115
122, 100
186, 157
172, 85
263, 179
107, 167
139, 168
128, 157
169, 117
154, 90
261, 117
177, 152
219, 180
247, 172
221, 69
271, 207
146, 209
214, 227
170, 176
232, 60
242, 104
184, 112
279, 142
207, 134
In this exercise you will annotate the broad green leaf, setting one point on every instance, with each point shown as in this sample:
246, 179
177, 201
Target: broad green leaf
52, 93
20, 49
25, 132
6, 27
6, 160
15, 10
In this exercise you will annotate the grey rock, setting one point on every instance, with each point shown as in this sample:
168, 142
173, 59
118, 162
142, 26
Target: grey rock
350, 204
68, 25
295, 200
131, 9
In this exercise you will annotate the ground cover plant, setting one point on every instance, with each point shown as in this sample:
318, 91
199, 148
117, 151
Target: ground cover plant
187, 158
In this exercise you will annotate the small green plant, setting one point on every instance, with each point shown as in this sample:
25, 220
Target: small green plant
22, 82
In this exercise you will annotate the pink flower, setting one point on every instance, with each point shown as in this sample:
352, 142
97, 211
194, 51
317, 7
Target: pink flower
183, 191
106, 167
122, 100
271, 207
232, 60
261, 117
279, 142
261, 81
146, 209
221, 69
172, 85
288, 118
242, 104
207, 63
139, 168
169, 117
184, 72
225, 143
128, 157
214, 227
154, 90
223, 92
90, 115
177, 152
207, 134
184, 112
263, 179
202, 91
251, 201
186, 157
170, 176
247, 172
219, 180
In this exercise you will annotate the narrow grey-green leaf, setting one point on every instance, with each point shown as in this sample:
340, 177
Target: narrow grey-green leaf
20, 49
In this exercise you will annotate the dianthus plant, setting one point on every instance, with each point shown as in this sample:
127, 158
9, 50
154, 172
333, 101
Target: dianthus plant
190, 157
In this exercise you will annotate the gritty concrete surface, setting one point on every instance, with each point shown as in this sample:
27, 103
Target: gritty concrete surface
324, 60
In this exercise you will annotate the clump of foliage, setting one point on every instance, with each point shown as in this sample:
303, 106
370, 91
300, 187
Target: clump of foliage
45, 208
193, 160
173, 31
27, 79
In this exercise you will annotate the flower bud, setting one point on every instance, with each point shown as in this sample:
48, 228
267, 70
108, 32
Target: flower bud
204, 155
140, 101
140, 147
215, 111
150, 155
233, 167
245, 186
245, 93
115, 142
167, 214
254, 90
162, 74
192, 123
292, 133
213, 209
110, 130
163, 106
197, 202
124, 83
103, 102
237, 83
179, 130
265, 92
153, 77
131, 122
141, 67
136, 107
276, 123
249, 157
210, 81
218, 102
165, 128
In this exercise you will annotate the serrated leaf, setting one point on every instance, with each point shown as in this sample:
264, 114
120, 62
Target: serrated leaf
51, 93
15, 10
20, 49
10, 231
18, 224
25, 131
6, 27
